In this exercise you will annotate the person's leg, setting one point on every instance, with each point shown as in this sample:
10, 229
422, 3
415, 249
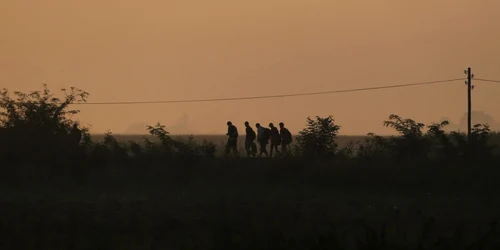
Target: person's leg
248, 148
228, 148
236, 153
263, 149
275, 148
232, 146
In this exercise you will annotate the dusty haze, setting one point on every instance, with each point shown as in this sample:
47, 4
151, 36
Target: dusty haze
123, 50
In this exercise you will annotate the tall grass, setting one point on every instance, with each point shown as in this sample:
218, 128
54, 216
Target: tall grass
250, 204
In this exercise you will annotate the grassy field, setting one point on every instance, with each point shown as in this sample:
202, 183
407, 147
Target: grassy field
247, 204
221, 140
442, 194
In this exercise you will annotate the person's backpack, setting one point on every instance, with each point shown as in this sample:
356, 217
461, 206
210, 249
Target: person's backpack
252, 135
253, 146
286, 136
235, 133
267, 134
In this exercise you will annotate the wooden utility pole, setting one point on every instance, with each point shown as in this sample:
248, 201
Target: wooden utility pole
469, 103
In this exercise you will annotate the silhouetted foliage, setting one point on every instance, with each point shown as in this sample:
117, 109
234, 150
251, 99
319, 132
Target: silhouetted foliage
442, 147
317, 140
165, 148
135, 148
411, 144
375, 148
480, 144
37, 125
190, 148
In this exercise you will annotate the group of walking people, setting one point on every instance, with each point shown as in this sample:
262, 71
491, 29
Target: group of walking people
264, 136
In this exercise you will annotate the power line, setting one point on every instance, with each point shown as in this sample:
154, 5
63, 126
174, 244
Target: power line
486, 80
271, 96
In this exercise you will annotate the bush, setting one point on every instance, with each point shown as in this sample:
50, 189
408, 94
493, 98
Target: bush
375, 148
37, 126
317, 140
411, 144
166, 147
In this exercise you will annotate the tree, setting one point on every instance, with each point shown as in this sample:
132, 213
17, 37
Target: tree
480, 144
40, 108
317, 140
411, 144
442, 147
375, 148
38, 124
166, 147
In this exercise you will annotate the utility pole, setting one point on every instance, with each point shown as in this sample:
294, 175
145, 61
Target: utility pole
470, 87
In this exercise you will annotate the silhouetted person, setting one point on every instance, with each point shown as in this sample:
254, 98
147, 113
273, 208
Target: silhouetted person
286, 137
250, 146
275, 139
262, 138
232, 141
76, 136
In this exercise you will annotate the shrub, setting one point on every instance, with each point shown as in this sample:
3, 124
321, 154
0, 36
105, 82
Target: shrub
165, 148
317, 140
375, 148
441, 147
37, 125
411, 144
480, 146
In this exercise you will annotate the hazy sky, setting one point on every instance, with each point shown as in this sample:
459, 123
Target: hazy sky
124, 50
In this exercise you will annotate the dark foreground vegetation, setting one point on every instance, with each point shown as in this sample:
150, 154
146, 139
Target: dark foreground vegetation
424, 189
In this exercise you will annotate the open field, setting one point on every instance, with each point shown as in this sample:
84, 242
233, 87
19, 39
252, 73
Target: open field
244, 204
221, 140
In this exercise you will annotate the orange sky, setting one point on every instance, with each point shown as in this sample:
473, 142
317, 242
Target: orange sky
124, 50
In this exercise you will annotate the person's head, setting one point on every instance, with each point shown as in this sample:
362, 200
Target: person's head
257, 125
247, 124
282, 125
229, 123
271, 125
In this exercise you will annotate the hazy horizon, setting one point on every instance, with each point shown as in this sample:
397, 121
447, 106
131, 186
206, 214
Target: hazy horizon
168, 50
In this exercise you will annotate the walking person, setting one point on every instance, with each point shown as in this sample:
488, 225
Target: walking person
232, 141
286, 138
275, 139
75, 137
262, 138
250, 137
